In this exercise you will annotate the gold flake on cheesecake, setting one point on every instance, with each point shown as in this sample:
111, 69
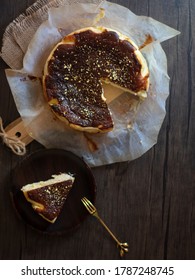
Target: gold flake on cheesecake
48, 197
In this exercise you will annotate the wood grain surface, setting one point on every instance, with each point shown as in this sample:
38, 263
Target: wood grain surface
149, 202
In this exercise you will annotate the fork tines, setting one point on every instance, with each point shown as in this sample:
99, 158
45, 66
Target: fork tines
88, 205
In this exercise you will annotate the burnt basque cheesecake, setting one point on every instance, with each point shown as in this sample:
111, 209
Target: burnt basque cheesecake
76, 68
48, 197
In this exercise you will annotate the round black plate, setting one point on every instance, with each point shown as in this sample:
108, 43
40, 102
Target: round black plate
40, 166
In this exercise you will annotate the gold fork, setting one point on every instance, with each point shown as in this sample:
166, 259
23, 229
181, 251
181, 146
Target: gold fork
93, 211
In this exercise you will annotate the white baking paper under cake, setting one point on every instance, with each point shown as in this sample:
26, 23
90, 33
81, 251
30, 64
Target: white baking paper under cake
136, 126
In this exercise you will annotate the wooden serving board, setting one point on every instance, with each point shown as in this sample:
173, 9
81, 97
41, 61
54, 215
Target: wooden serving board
17, 129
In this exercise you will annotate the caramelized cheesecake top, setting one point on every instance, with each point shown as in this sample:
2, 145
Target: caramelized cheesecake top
78, 65
48, 197
52, 197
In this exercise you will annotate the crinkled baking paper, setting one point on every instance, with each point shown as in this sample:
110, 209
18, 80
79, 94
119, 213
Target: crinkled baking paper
136, 124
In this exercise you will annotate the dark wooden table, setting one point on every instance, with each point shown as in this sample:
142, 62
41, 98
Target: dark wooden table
149, 202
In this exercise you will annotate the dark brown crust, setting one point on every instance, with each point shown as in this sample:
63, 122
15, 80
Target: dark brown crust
51, 197
74, 73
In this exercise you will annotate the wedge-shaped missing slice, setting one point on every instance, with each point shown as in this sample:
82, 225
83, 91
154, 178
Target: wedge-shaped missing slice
48, 197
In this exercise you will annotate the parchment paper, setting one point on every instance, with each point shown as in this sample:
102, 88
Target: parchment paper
136, 125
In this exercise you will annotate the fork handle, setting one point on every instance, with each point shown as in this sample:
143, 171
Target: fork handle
110, 232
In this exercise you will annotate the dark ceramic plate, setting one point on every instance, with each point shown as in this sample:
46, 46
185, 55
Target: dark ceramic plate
40, 166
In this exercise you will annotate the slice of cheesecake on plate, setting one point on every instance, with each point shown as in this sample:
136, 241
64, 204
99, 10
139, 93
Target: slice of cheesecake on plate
48, 197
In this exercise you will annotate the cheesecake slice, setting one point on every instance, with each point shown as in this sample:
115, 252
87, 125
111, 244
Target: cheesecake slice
48, 197
77, 67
